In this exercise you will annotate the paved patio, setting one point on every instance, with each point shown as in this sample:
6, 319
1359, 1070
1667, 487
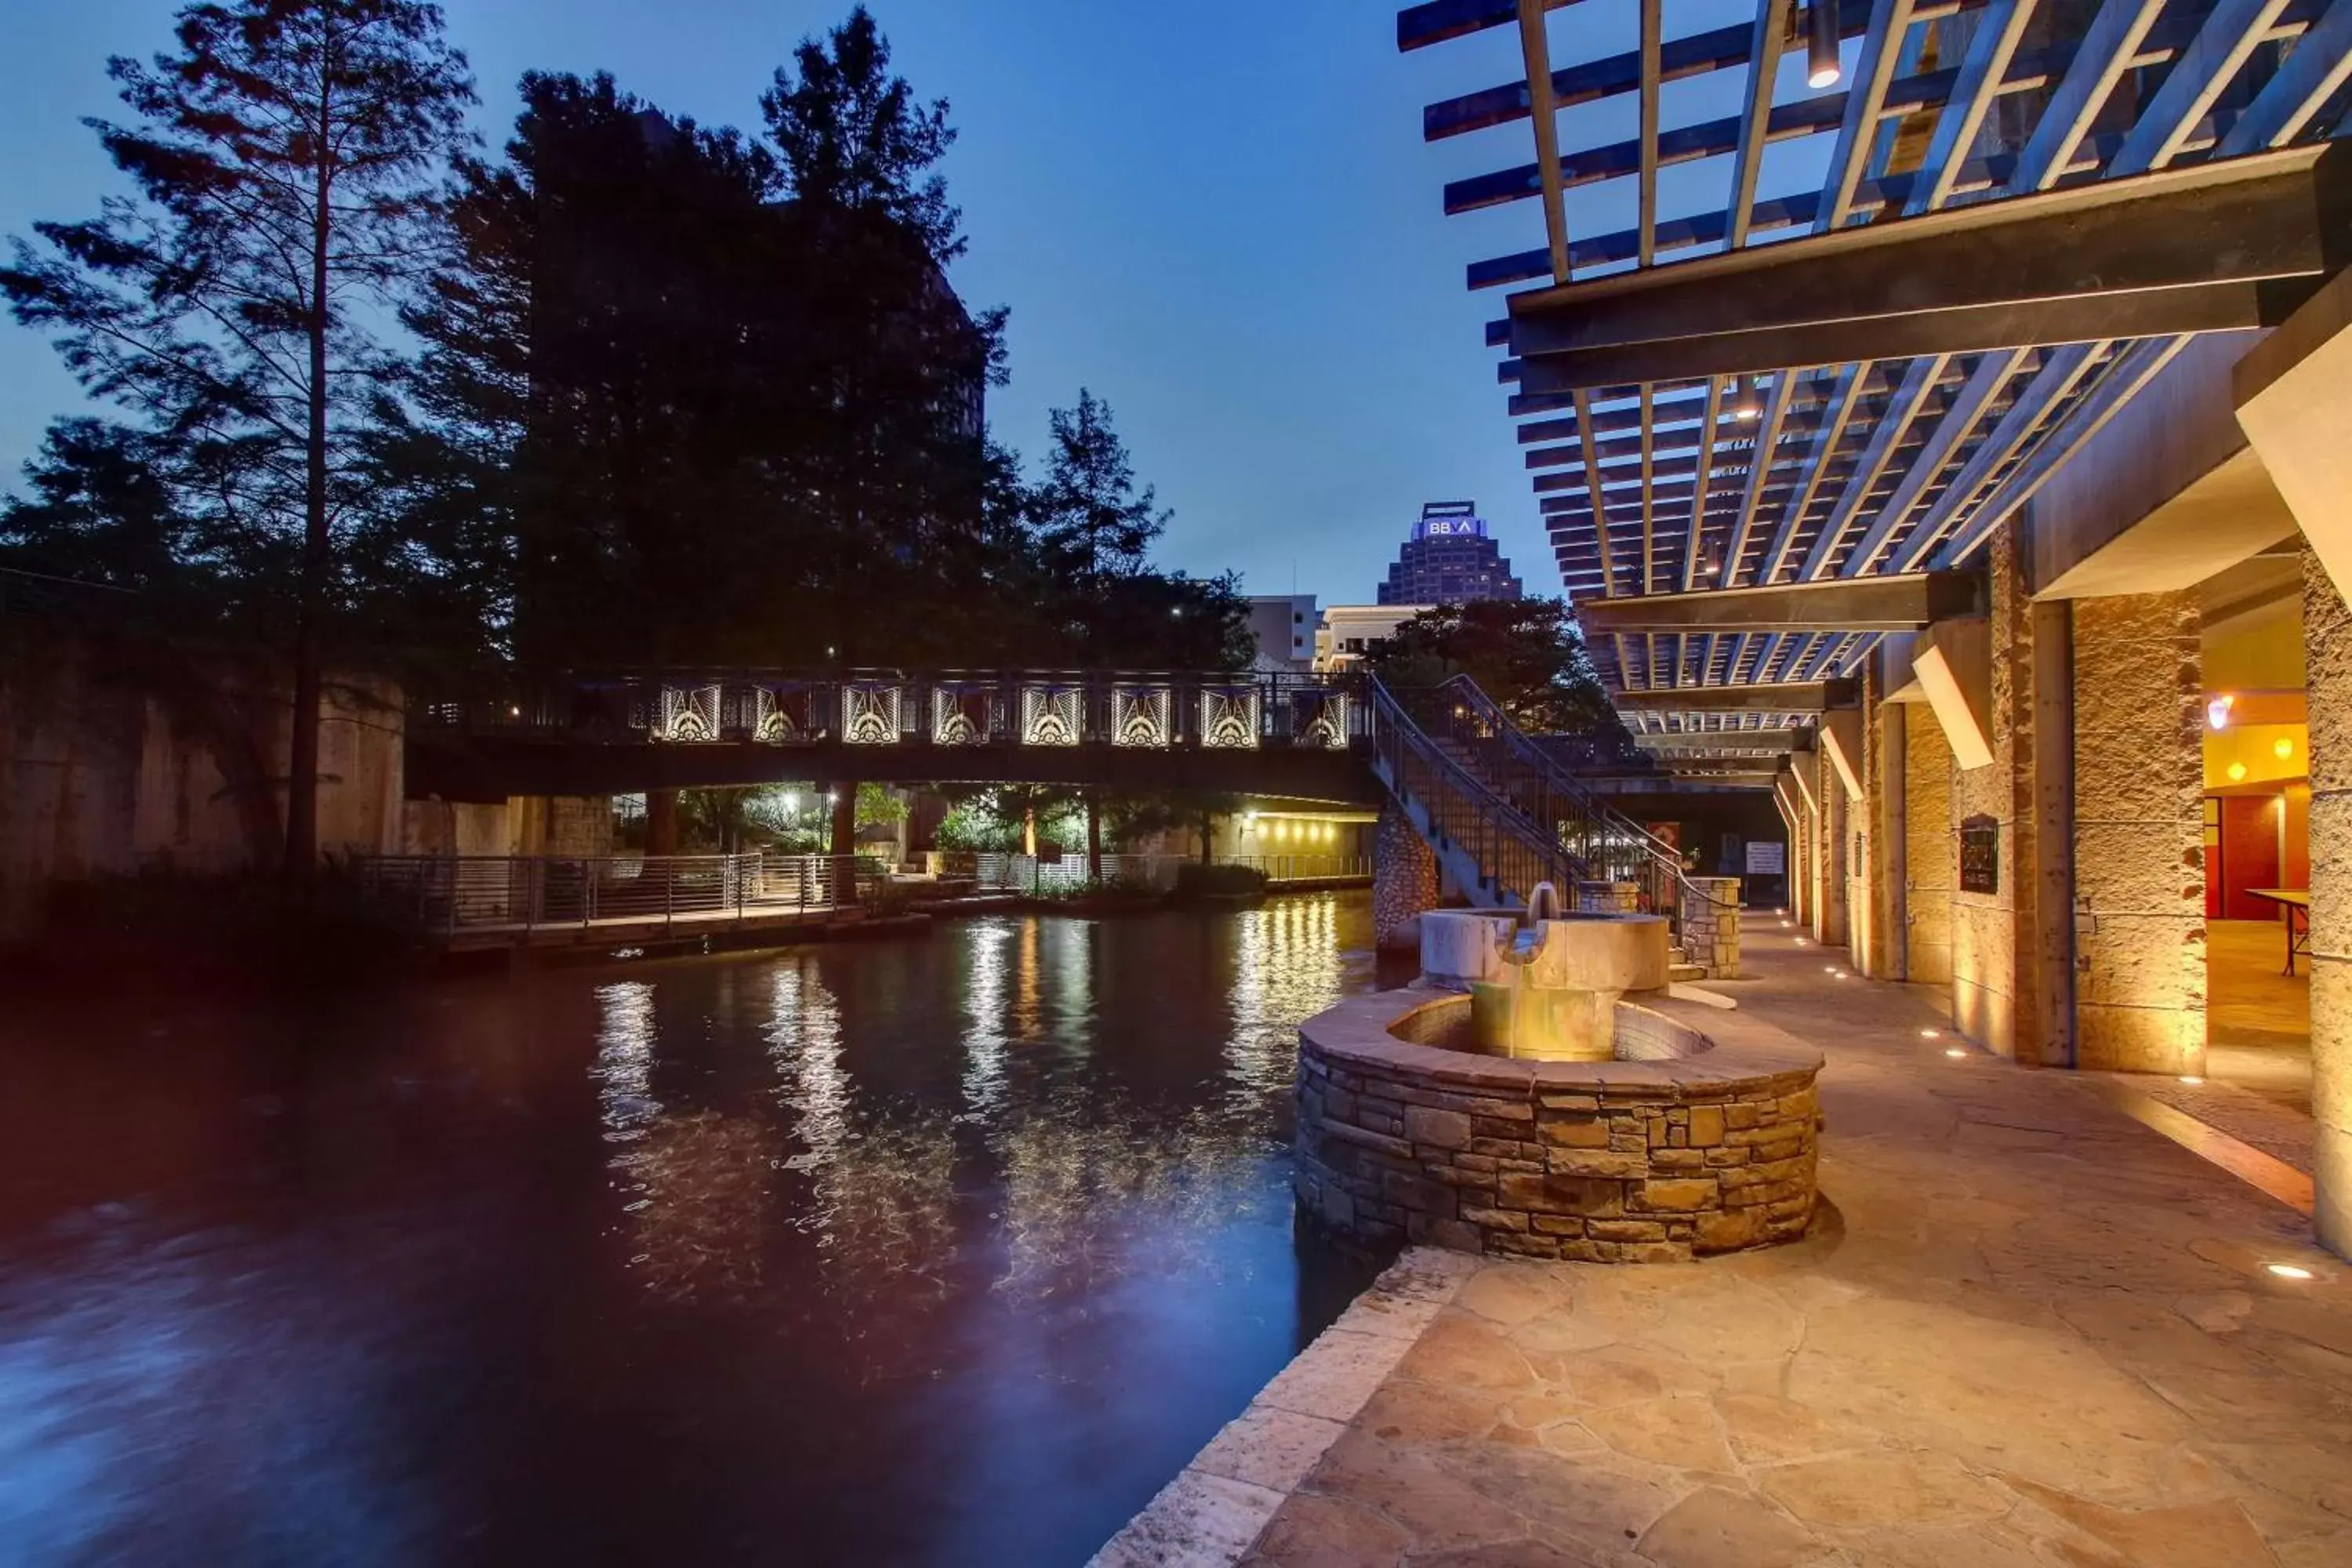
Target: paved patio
2026, 1330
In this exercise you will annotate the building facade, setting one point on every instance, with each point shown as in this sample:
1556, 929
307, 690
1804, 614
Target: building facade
1284, 626
1347, 632
1449, 560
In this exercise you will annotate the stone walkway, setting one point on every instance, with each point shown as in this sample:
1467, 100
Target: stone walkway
2025, 1330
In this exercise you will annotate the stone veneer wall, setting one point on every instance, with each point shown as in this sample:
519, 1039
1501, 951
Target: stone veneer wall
1985, 927
1404, 873
1608, 899
1649, 1160
1930, 853
2328, 657
1711, 925
2140, 883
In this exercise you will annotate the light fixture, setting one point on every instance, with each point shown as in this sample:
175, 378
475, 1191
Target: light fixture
2288, 1270
1954, 1051
2282, 748
1822, 31
2190, 1078
792, 801
2237, 772
1747, 407
1931, 1034
2217, 710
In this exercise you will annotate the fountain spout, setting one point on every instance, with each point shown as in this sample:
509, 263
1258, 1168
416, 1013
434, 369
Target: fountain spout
1543, 904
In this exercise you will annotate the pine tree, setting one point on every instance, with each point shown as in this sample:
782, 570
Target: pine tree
286, 160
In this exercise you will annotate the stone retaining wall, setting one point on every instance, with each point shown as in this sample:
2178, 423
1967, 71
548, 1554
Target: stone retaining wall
1706, 1144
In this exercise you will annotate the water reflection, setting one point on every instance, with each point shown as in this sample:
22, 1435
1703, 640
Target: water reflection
946, 1251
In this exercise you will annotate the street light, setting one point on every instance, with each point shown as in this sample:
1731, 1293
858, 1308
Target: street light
1821, 29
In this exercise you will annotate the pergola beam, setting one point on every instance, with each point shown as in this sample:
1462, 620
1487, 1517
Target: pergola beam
2211, 247
1790, 697
1908, 602
1720, 744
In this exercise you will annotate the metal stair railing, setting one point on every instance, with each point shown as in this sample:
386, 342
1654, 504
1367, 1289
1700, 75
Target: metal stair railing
1610, 845
1511, 849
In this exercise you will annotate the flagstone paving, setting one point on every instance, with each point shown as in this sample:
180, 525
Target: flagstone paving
2025, 1330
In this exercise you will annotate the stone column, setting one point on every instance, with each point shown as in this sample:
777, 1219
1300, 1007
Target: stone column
2138, 788
1890, 843
2328, 657
661, 822
1404, 879
845, 818
1931, 854
1711, 925
1829, 852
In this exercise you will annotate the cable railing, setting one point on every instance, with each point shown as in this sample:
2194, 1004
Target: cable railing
447, 894
1511, 849
1611, 845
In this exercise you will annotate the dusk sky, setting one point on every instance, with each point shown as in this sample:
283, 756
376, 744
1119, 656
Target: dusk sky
1221, 217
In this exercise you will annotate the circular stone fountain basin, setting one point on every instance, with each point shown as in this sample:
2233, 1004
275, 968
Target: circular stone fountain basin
1698, 1136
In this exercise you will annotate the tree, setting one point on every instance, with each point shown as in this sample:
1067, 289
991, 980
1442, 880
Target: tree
286, 159
1090, 520
1526, 654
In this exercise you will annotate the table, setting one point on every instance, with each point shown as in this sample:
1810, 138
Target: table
2290, 900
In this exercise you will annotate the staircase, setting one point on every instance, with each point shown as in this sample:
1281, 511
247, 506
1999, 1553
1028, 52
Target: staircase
1502, 816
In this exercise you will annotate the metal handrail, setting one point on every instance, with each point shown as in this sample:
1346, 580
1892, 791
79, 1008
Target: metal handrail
1511, 849
524, 893
1627, 851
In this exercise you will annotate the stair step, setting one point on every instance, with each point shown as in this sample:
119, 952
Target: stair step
1681, 973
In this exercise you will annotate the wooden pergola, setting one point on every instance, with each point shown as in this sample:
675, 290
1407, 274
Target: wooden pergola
1766, 434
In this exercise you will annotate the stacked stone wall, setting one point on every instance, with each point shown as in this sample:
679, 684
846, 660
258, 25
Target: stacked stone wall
1711, 925
1404, 876
1930, 850
1603, 1162
2139, 880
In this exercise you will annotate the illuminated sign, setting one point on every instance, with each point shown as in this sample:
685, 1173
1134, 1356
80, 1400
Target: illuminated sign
1450, 519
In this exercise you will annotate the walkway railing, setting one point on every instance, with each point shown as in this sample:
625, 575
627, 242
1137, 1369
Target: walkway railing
1612, 847
1153, 709
997, 872
1512, 849
452, 893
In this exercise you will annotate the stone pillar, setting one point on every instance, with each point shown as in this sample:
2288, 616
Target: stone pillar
661, 822
2139, 788
1711, 925
2328, 657
1607, 898
1829, 852
1404, 879
1931, 854
1890, 954
1987, 981
845, 818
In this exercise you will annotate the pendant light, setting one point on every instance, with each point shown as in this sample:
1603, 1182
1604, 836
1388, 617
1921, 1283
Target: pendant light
1822, 30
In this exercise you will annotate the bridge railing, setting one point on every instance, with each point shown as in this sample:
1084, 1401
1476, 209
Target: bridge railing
1146, 709
1512, 850
447, 894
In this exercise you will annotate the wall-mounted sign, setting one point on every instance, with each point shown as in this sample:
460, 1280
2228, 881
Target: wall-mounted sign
1979, 855
1767, 858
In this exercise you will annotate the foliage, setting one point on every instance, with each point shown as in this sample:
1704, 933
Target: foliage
1526, 654
1197, 811
993, 820
286, 161
877, 807
1197, 879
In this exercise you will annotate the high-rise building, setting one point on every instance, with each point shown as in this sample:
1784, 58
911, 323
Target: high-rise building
1449, 560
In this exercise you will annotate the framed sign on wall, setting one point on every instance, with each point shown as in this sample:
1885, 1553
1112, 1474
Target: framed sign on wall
1979, 855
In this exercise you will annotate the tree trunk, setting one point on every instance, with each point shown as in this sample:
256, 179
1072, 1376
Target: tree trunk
1208, 835
303, 751
1094, 835
845, 819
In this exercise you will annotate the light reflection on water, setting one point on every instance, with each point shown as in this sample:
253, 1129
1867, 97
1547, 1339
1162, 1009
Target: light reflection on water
940, 1251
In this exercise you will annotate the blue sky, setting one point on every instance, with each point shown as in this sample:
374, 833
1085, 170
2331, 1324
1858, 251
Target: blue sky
1219, 216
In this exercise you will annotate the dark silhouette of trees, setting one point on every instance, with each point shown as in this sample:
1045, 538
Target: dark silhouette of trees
1527, 653
286, 159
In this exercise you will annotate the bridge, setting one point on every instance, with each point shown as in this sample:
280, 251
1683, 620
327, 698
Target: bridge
1500, 811
1283, 735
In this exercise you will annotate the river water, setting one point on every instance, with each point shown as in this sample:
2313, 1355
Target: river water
943, 1250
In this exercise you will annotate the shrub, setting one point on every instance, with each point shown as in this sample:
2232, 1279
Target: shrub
1196, 880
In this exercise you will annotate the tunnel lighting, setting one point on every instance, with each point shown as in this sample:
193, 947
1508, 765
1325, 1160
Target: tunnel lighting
1822, 31
2288, 1270
2237, 772
2217, 710
2282, 748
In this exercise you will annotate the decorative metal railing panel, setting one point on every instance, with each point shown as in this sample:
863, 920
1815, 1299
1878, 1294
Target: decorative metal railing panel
1228, 716
1051, 714
1511, 850
1142, 715
1046, 708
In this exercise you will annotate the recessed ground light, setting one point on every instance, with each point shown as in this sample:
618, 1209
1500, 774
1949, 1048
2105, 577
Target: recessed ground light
2190, 1078
1954, 1051
1828, 968
2288, 1270
1931, 1034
